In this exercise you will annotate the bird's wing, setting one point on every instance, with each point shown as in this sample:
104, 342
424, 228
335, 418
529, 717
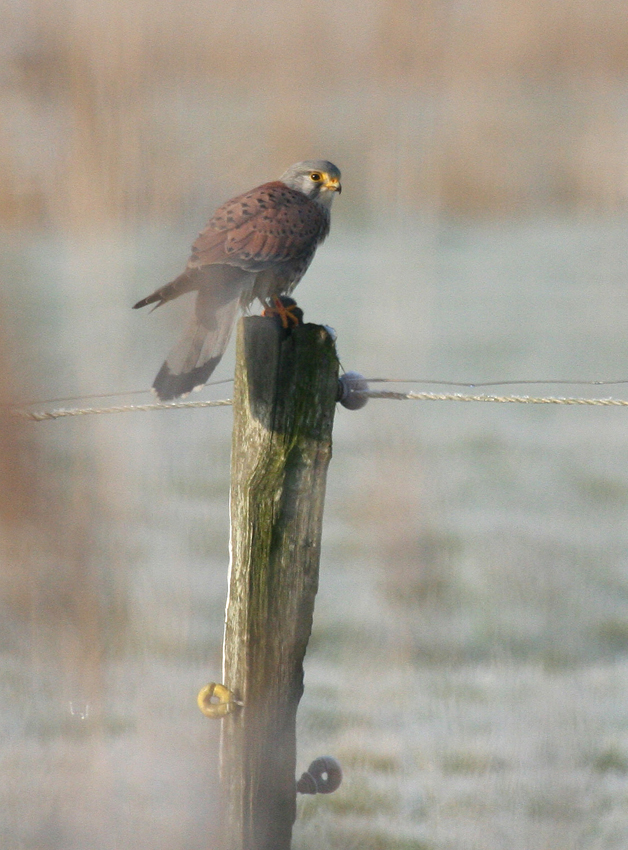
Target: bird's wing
269, 225
255, 232
186, 282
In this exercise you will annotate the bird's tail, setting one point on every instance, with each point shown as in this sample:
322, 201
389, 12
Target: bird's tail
196, 355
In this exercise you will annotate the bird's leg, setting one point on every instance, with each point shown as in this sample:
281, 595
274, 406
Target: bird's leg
285, 309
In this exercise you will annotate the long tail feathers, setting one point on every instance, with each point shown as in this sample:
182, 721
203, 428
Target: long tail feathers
193, 359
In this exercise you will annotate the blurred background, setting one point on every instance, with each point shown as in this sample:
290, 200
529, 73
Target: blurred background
469, 658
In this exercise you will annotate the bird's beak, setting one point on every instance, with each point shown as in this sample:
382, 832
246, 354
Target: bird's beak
333, 185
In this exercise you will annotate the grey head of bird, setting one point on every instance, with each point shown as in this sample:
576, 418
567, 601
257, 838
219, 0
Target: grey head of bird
316, 178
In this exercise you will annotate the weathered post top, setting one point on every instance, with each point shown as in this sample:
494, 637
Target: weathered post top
285, 395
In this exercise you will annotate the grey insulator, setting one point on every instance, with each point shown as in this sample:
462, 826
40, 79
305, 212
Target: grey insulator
351, 389
323, 776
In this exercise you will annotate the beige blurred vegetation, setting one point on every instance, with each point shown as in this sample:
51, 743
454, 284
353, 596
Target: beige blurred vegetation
49, 529
118, 111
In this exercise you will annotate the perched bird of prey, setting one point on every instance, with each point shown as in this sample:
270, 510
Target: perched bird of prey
258, 245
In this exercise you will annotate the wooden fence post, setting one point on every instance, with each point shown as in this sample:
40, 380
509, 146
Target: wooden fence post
285, 395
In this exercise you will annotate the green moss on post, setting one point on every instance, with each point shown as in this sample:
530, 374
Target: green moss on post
285, 397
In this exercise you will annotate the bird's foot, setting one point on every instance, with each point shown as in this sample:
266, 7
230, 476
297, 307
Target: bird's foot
286, 310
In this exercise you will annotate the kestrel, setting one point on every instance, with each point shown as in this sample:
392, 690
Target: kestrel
258, 245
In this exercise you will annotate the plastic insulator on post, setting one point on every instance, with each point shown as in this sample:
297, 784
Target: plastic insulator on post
351, 390
307, 784
323, 776
216, 701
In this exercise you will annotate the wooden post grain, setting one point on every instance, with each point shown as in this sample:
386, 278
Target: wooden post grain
285, 395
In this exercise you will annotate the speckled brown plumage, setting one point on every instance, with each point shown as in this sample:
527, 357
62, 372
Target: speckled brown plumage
257, 245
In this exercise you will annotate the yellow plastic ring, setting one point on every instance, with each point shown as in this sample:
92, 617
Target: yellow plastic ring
226, 702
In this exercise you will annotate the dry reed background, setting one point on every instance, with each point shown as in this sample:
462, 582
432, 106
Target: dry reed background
120, 111
475, 686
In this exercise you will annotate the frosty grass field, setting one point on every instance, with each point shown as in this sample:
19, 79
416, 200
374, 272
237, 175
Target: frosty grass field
468, 664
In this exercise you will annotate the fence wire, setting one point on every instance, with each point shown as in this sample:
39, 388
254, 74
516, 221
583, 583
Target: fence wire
499, 399
61, 413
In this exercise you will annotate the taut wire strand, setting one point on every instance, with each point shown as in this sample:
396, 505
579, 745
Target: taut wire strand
471, 385
60, 413
504, 399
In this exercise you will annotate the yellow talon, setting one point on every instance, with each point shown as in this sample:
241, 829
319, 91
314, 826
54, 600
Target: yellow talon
226, 700
285, 309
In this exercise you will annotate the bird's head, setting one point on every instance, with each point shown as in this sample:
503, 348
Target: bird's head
316, 178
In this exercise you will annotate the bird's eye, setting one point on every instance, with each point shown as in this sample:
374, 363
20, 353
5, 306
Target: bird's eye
316, 176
